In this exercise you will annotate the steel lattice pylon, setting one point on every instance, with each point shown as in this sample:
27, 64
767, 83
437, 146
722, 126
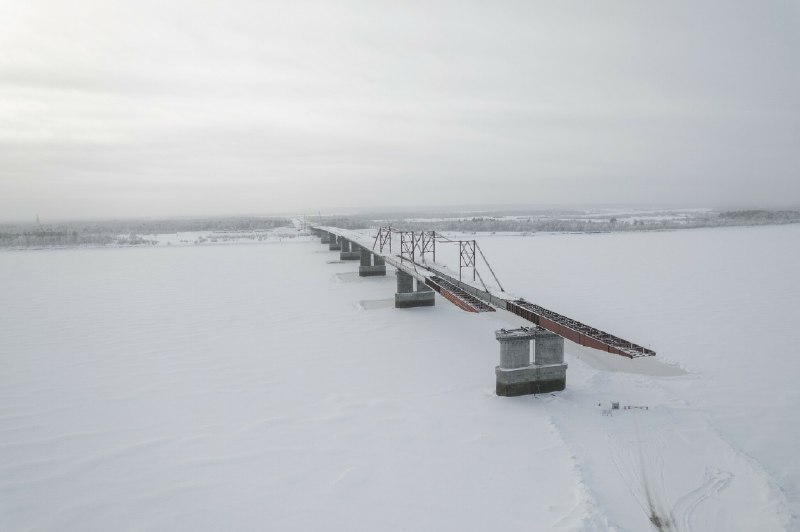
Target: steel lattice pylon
466, 256
383, 239
426, 243
415, 245
407, 246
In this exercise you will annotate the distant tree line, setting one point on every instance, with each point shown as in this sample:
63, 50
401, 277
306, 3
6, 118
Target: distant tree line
124, 232
134, 232
179, 225
557, 225
761, 216
571, 221
46, 238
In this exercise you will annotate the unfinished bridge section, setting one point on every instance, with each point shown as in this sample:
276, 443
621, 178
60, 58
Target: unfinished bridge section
417, 280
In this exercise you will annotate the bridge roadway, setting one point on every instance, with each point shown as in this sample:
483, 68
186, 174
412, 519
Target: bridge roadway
474, 299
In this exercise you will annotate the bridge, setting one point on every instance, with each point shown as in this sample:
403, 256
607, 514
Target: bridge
531, 358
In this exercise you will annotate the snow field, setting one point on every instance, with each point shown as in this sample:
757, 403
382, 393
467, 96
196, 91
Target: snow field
254, 386
719, 303
247, 387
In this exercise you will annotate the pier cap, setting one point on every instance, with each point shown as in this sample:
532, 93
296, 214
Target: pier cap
523, 333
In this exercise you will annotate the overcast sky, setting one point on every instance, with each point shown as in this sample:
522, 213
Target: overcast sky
148, 108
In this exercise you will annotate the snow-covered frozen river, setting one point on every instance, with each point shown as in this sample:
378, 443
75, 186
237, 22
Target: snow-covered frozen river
258, 386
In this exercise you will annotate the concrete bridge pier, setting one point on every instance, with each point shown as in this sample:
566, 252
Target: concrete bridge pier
347, 253
530, 369
367, 268
335, 244
406, 297
324, 237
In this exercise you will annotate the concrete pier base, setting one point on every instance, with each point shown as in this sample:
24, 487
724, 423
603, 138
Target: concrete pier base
371, 271
527, 368
530, 380
406, 297
347, 253
414, 299
334, 244
366, 268
324, 237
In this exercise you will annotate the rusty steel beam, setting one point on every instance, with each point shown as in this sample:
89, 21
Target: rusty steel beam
576, 331
457, 296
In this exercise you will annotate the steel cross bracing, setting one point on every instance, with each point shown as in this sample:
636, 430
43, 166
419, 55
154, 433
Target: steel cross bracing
426, 243
466, 256
407, 247
383, 239
413, 245
468, 259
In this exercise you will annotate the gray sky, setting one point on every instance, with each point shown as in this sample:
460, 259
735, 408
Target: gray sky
148, 108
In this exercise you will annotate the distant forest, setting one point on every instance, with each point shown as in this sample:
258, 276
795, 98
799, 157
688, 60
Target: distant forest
569, 222
139, 232
123, 232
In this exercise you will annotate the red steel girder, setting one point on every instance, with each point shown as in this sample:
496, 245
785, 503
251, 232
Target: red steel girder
576, 331
457, 296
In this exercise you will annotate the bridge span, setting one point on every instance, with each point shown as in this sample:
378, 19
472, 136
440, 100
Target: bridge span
519, 372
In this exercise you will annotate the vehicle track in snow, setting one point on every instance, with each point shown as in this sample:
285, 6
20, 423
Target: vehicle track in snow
641, 466
640, 463
716, 481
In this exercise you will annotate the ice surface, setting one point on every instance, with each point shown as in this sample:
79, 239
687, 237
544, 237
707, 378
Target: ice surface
257, 387
242, 388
